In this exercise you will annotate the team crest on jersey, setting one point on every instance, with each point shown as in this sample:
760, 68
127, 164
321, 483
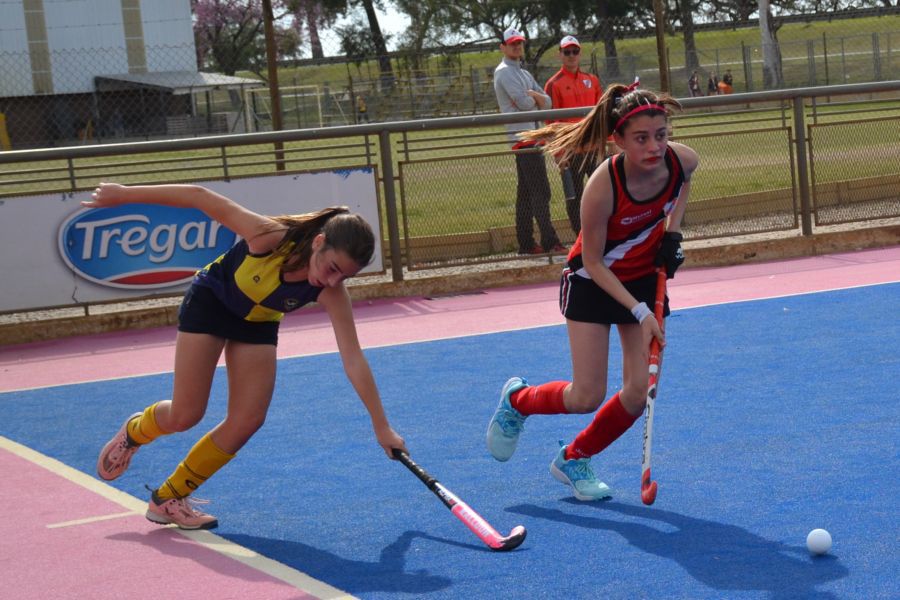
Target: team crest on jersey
586, 82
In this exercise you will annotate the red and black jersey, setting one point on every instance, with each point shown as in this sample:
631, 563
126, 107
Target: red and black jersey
635, 228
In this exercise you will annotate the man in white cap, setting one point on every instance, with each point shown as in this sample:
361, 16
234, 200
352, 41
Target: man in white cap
571, 87
517, 91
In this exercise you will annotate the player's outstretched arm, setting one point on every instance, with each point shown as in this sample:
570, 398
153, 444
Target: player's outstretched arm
336, 301
232, 215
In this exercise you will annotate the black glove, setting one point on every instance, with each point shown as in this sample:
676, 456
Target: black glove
670, 254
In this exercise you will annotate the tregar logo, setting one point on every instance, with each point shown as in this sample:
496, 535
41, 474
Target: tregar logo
141, 246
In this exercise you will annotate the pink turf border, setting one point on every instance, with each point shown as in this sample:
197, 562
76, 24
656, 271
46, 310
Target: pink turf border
405, 320
125, 557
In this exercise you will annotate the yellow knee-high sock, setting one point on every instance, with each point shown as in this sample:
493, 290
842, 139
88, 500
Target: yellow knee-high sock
204, 459
144, 429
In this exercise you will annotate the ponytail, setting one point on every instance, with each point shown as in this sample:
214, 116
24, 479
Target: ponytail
616, 107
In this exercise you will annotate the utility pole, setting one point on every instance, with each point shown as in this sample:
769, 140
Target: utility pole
274, 90
659, 13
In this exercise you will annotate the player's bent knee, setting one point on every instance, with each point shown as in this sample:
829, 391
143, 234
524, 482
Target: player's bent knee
583, 403
634, 392
256, 422
247, 423
182, 423
633, 403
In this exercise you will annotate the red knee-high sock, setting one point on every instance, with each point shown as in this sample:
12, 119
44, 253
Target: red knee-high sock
544, 399
610, 422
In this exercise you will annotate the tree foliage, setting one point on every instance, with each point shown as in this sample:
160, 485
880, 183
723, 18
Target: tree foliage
229, 33
229, 36
314, 15
542, 23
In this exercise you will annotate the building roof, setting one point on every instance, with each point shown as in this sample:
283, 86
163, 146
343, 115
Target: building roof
175, 82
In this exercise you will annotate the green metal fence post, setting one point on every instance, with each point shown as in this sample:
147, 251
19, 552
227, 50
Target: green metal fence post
802, 166
811, 61
876, 56
747, 59
390, 203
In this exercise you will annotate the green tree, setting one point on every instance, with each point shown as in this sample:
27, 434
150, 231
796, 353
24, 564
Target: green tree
686, 14
542, 23
611, 17
423, 30
228, 35
314, 15
728, 10
375, 38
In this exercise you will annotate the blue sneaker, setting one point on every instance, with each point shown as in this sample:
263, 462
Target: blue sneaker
507, 423
578, 474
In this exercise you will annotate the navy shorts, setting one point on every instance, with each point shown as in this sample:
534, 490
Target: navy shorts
202, 312
580, 299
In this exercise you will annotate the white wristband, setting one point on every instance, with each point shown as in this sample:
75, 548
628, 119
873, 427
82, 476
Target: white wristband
641, 312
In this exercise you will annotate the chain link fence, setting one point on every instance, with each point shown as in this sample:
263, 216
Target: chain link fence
850, 169
466, 184
472, 195
770, 161
77, 97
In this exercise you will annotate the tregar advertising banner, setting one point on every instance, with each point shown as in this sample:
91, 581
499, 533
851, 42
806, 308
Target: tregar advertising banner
140, 246
54, 252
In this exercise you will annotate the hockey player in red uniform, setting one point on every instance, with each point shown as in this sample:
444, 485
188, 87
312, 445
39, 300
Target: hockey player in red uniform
631, 214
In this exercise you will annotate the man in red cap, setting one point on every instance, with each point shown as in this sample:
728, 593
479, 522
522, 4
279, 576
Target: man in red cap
571, 87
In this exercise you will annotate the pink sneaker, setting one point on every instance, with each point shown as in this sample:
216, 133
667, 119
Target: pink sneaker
179, 511
116, 454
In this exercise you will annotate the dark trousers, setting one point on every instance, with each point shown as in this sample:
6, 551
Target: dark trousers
533, 202
580, 167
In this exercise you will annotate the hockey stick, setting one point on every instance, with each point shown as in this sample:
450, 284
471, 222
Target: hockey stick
649, 487
463, 511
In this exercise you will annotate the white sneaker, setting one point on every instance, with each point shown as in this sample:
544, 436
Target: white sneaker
116, 454
578, 474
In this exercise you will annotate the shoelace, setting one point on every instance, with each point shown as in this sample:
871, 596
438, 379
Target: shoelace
510, 423
189, 503
582, 469
122, 450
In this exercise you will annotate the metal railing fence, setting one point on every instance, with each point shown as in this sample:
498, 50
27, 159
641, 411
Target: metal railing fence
769, 161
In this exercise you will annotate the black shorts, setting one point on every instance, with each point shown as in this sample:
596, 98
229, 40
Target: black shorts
580, 299
202, 312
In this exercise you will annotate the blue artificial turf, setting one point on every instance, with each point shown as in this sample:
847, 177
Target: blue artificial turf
774, 417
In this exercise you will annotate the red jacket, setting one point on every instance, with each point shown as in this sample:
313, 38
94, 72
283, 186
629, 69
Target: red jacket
571, 90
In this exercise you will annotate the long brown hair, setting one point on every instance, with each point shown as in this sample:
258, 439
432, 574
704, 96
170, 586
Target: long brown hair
611, 114
344, 231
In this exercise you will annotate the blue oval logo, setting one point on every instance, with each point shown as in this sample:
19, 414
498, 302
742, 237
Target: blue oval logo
141, 246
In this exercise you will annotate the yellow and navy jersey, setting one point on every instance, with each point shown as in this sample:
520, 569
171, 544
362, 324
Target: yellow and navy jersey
251, 285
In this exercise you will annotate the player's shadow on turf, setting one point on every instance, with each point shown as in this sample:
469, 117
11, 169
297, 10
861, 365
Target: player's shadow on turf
721, 556
388, 574
354, 576
167, 541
